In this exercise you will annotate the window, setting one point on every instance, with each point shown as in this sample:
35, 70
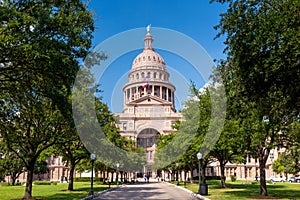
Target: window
143, 74
149, 58
137, 76
124, 126
148, 75
154, 75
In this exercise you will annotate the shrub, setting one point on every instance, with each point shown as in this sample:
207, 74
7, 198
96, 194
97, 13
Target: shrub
54, 183
213, 178
87, 179
233, 178
42, 183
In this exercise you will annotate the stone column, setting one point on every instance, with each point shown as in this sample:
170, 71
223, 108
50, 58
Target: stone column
160, 92
153, 90
167, 94
125, 96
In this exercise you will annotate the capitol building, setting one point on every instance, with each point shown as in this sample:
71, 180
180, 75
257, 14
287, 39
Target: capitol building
149, 108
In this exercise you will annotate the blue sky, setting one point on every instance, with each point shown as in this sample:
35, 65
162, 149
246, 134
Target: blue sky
194, 18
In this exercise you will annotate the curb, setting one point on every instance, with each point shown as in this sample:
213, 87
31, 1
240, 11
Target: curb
100, 193
189, 191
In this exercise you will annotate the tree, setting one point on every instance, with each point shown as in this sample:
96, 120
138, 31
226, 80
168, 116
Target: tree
41, 167
277, 166
10, 164
41, 44
262, 49
290, 160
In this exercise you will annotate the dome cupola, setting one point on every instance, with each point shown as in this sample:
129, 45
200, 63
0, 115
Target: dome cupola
148, 57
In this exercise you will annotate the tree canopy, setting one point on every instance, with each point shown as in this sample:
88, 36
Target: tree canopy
262, 70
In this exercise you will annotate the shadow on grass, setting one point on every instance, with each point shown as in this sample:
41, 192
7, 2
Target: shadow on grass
76, 194
252, 191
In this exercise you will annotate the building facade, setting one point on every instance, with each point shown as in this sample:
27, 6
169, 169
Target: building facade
148, 109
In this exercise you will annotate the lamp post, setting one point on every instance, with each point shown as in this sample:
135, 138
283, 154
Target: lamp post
199, 156
118, 165
177, 173
93, 157
203, 189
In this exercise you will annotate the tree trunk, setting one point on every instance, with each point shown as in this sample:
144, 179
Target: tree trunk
222, 166
262, 170
104, 177
71, 179
13, 179
191, 178
29, 180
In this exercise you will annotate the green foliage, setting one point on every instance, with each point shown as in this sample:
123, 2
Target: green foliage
10, 164
233, 178
41, 167
41, 183
290, 160
87, 179
277, 166
41, 44
262, 46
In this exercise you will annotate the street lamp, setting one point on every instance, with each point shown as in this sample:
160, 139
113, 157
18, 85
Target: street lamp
118, 165
203, 189
199, 156
177, 173
93, 157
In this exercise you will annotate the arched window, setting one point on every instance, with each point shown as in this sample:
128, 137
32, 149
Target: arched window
148, 75
137, 76
143, 75
154, 75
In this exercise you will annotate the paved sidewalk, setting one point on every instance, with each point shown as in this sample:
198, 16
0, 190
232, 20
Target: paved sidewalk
157, 191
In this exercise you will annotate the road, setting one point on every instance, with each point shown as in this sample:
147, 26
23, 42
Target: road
157, 191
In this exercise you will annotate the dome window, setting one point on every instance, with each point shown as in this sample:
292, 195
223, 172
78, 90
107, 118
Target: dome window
154, 58
149, 58
148, 75
154, 75
143, 58
143, 74
139, 59
137, 76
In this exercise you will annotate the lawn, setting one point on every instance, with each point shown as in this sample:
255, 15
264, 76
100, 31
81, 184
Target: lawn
51, 192
239, 190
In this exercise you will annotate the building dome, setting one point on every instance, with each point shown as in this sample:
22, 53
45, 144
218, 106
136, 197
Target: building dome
148, 57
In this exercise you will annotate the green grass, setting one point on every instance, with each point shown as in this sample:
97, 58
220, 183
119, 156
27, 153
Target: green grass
51, 192
239, 190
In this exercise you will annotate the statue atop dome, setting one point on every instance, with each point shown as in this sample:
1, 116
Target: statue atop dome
148, 28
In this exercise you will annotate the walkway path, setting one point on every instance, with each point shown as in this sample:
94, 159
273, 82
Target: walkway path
157, 191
